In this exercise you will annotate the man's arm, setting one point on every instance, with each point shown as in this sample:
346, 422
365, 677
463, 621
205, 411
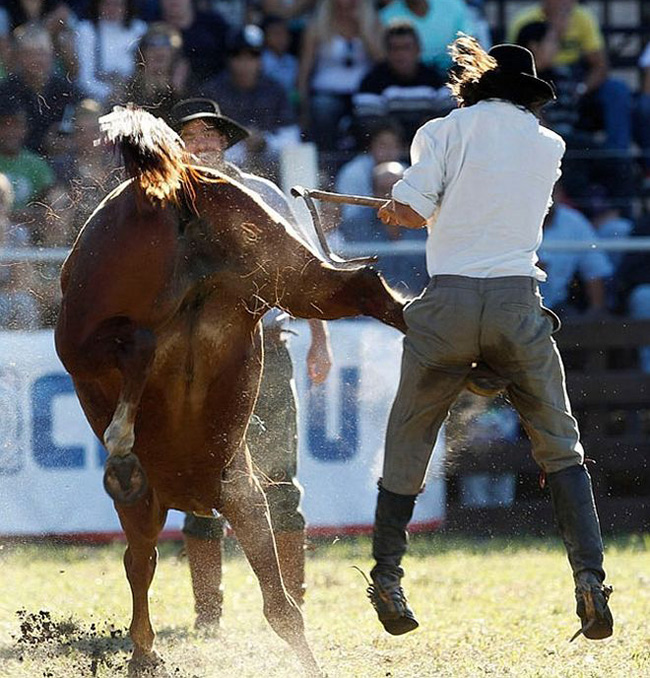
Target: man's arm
319, 356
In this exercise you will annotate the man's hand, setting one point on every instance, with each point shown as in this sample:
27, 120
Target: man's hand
397, 214
319, 356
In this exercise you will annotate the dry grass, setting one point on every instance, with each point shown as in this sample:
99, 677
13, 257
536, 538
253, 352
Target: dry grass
486, 609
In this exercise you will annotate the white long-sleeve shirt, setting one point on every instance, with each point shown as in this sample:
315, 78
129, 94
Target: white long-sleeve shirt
486, 172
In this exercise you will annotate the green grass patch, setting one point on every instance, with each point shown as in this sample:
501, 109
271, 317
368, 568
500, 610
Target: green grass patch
496, 608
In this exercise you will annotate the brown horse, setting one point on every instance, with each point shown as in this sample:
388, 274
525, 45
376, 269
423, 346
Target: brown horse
159, 328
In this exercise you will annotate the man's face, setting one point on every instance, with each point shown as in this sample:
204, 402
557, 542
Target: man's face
204, 141
403, 54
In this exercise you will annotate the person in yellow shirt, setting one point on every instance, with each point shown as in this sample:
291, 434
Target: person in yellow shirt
604, 101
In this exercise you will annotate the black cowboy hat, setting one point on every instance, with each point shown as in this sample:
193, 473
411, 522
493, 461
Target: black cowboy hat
516, 68
207, 109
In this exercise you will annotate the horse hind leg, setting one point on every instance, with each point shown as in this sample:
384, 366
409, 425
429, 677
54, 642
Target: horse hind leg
333, 293
124, 478
244, 505
142, 524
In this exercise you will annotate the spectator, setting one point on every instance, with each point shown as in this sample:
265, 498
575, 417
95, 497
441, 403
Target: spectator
18, 306
384, 144
642, 115
582, 47
94, 170
106, 45
204, 34
295, 12
437, 23
402, 86
277, 62
339, 46
259, 103
162, 72
607, 220
563, 223
406, 272
46, 97
60, 22
29, 174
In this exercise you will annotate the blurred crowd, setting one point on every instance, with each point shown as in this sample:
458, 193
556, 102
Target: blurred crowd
355, 77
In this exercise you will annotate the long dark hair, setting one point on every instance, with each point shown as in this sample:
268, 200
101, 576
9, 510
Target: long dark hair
476, 77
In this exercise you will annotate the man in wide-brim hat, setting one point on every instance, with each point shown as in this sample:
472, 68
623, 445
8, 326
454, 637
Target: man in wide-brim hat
209, 112
486, 172
272, 433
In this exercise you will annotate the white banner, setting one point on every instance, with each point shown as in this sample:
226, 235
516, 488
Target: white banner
51, 464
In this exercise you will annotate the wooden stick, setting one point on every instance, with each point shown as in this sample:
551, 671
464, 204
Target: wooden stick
346, 199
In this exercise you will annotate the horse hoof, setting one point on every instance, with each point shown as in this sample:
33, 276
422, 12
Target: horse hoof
148, 666
124, 479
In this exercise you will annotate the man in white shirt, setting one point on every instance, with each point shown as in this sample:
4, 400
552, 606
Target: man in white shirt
484, 174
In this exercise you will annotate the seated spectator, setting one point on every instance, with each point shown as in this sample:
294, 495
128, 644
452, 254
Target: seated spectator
59, 20
277, 62
607, 219
437, 23
46, 97
402, 87
162, 72
18, 307
384, 144
405, 271
563, 223
585, 162
94, 171
642, 115
340, 44
205, 36
29, 174
582, 47
106, 45
295, 12
257, 102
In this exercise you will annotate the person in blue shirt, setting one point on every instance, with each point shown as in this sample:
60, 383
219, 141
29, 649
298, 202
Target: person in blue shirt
563, 223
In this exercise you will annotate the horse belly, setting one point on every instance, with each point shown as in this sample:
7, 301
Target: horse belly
193, 414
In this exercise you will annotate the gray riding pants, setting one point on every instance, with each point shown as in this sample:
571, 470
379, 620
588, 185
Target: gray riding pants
456, 322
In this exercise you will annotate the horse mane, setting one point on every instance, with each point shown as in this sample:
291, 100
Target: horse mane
154, 155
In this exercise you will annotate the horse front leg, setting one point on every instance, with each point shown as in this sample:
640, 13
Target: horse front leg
124, 478
321, 291
244, 505
142, 524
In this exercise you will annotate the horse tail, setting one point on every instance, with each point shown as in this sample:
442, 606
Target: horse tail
154, 155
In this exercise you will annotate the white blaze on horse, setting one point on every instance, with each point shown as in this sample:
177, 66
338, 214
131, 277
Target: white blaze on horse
159, 329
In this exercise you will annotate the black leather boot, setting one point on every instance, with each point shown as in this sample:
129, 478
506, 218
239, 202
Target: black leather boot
390, 539
577, 520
